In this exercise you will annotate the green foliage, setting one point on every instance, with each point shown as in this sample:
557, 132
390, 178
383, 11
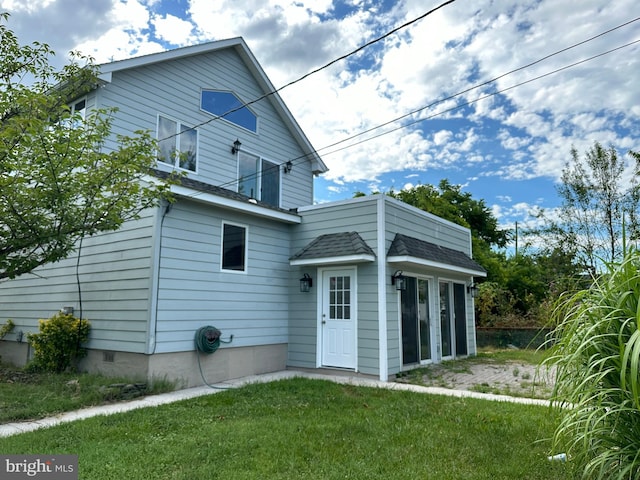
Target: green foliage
63, 175
58, 345
6, 328
597, 355
449, 202
600, 197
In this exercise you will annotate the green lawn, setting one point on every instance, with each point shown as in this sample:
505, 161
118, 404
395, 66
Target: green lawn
304, 428
30, 396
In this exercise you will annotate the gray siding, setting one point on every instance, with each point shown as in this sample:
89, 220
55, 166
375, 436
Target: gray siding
411, 221
354, 215
141, 94
115, 277
193, 291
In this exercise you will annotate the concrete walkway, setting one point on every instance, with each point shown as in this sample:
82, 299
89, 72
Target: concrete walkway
155, 400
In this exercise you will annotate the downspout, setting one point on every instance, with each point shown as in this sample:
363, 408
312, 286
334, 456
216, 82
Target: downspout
156, 248
382, 289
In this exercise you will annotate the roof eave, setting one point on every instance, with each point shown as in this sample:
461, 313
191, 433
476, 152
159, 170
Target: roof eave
421, 262
228, 203
339, 260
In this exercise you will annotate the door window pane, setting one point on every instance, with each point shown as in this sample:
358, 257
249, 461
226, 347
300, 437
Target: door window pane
445, 319
423, 315
339, 298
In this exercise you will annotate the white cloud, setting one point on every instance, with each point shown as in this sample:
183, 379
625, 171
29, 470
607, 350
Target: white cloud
522, 133
173, 29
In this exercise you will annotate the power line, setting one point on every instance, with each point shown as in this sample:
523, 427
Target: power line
487, 82
470, 102
475, 87
319, 69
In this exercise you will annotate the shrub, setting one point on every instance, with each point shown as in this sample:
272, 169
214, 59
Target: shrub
58, 345
6, 328
597, 355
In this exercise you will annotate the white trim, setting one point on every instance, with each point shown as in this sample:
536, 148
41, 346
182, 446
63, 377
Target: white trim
246, 247
436, 265
346, 259
354, 313
383, 353
244, 207
259, 174
176, 161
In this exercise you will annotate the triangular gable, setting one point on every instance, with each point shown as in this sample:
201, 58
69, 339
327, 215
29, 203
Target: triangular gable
241, 48
410, 250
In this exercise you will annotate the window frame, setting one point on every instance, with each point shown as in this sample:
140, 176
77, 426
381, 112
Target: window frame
230, 118
180, 128
245, 249
83, 111
259, 176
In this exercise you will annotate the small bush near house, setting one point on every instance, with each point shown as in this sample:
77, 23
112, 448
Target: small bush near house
6, 328
58, 345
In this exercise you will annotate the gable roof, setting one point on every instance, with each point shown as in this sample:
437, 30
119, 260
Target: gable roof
334, 248
410, 250
240, 47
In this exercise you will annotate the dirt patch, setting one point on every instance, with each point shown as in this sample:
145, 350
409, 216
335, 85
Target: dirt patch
503, 378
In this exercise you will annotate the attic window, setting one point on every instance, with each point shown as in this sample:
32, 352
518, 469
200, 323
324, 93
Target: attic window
229, 107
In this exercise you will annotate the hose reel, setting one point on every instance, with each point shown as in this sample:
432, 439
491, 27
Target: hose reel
207, 340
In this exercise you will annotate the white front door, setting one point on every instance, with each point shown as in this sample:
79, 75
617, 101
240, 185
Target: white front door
338, 318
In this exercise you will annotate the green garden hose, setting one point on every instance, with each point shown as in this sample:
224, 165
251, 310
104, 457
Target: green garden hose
207, 340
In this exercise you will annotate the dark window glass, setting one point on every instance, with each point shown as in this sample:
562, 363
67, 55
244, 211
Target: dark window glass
229, 107
233, 247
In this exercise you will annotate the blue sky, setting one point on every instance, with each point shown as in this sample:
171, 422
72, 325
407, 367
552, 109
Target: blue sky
508, 148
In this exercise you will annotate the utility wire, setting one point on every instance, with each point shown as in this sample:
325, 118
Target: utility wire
450, 97
470, 102
319, 69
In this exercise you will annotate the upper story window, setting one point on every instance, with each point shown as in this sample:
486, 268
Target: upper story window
229, 106
259, 178
177, 144
77, 113
79, 107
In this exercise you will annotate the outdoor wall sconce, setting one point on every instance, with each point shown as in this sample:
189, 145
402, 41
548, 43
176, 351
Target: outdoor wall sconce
472, 289
306, 282
236, 147
288, 166
399, 280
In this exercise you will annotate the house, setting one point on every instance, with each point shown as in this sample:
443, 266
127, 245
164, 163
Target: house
369, 285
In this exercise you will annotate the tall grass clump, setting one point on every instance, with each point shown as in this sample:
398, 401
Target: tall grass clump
597, 356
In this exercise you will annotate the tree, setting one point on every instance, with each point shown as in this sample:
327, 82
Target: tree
63, 175
449, 202
598, 204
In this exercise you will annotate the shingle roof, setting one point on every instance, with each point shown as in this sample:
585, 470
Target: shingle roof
335, 245
219, 191
405, 246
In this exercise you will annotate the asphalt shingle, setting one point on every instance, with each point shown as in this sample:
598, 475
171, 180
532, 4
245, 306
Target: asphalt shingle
405, 246
334, 245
